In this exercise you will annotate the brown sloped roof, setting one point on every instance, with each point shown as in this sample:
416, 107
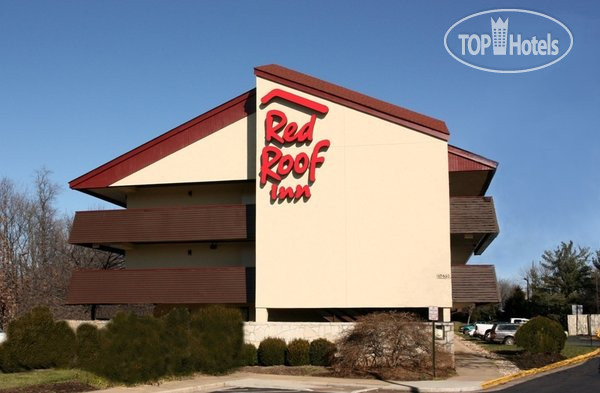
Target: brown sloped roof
474, 284
165, 224
353, 99
473, 215
232, 285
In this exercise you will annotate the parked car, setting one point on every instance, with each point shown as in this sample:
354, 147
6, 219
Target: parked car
483, 329
2, 336
464, 328
520, 321
504, 333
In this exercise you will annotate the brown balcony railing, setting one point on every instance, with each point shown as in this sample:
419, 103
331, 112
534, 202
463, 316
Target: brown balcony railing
162, 225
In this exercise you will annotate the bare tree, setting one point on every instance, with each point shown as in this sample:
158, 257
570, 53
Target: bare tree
507, 288
36, 260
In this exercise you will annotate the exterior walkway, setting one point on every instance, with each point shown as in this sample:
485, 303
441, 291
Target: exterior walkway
474, 363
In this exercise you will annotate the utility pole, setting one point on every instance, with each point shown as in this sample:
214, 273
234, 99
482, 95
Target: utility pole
597, 298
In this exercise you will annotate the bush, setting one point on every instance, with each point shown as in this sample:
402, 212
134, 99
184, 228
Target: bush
389, 345
176, 340
8, 363
249, 357
297, 353
321, 352
131, 350
35, 341
271, 352
541, 335
88, 347
62, 345
217, 336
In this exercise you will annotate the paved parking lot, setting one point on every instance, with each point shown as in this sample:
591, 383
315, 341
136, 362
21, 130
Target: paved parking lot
584, 378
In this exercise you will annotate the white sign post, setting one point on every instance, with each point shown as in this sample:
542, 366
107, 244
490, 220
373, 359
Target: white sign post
433, 313
433, 316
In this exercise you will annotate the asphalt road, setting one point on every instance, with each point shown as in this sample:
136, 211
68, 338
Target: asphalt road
584, 378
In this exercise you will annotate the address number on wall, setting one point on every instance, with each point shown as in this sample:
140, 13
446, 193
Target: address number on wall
443, 276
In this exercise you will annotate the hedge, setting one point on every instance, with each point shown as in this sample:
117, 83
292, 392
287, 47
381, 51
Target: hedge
217, 336
541, 335
176, 339
88, 347
249, 355
321, 352
297, 353
35, 341
271, 352
132, 350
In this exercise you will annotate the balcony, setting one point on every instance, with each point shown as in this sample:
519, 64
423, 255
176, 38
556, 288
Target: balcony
208, 285
474, 284
473, 226
117, 230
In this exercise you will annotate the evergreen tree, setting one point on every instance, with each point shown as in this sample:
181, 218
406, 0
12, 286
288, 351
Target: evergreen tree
569, 273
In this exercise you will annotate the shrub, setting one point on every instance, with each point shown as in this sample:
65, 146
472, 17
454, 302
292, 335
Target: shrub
297, 353
249, 357
271, 352
131, 349
62, 345
389, 345
217, 336
176, 340
321, 352
88, 347
8, 363
541, 335
35, 341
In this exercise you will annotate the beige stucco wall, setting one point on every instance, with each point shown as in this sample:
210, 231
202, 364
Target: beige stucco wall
222, 155
375, 232
176, 255
190, 195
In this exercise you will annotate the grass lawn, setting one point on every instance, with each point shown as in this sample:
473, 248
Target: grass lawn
569, 351
39, 377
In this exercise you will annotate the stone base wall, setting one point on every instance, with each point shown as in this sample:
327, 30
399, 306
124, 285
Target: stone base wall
255, 332
74, 324
578, 324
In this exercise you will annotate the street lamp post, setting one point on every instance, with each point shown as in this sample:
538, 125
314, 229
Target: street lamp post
527, 288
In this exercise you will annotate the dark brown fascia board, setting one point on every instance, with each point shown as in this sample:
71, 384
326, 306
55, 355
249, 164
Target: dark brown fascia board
469, 155
326, 93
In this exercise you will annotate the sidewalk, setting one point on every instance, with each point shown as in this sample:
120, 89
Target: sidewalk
321, 384
474, 363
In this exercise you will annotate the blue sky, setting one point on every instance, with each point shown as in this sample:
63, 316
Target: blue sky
84, 81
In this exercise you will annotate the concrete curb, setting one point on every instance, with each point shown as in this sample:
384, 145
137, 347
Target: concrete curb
534, 371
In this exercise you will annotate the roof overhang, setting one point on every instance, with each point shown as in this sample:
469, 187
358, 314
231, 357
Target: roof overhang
470, 173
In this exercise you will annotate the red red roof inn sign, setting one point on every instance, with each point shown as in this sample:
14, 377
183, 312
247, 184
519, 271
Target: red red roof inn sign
281, 133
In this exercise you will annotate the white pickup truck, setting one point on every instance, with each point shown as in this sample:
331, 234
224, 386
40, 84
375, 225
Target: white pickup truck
484, 329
